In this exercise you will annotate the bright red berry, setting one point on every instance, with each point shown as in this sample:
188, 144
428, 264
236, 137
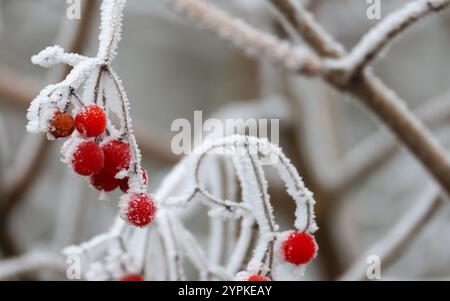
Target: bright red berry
104, 181
258, 278
299, 248
91, 121
87, 158
124, 182
117, 156
61, 125
132, 277
138, 209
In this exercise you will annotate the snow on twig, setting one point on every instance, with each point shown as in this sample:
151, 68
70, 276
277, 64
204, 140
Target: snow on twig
251, 40
179, 242
372, 44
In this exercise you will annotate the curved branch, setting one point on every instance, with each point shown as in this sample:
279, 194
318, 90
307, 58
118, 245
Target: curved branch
372, 44
251, 40
33, 261
390, 247
378, 98
23, 173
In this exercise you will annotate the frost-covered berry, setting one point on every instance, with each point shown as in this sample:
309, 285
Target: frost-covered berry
91, 121
299, 248
258, 278
137, 209
61, 125
132, 277
117, 156
124, 182
104, 181
87, 159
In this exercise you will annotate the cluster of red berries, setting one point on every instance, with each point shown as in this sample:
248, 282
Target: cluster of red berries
299, 248
89, 122
102, 162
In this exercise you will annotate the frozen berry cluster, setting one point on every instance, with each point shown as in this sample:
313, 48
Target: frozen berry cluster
105, 160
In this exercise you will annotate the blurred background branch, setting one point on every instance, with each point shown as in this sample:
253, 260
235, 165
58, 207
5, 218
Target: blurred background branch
372, 196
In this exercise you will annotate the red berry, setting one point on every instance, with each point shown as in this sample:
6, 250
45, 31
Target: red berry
299, 248
117, 156
124, 182
138, 209
132, 277
87, 159
104, 181
91, 121
257, 278
62, 125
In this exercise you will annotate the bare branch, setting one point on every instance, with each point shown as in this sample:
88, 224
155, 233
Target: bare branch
303, 21
377, 148
33, 261
390, 247
386, 31
251, 40
23, 172
377, 97
16, 88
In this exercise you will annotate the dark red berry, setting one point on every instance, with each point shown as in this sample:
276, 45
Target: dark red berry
137, 209
91, 121
117, 156
62, 125
104, 181
257, 278
87, 159
299, 248
132, 277
124, 182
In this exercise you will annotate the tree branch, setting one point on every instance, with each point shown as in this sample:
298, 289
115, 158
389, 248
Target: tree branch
30, 262
251, 40
372, 44
390, 247
378, 98
23, 172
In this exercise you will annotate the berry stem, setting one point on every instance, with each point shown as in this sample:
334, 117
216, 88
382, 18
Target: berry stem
97, 84
128, 130
77, 97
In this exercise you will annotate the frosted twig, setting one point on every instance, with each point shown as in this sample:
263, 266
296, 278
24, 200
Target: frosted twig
175, 267
111, 29
242, 246
375, 149
177, 241
378, 98
251, 40
54, 55
303, 21
30, 262
381, 35
197, 255
391, 245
